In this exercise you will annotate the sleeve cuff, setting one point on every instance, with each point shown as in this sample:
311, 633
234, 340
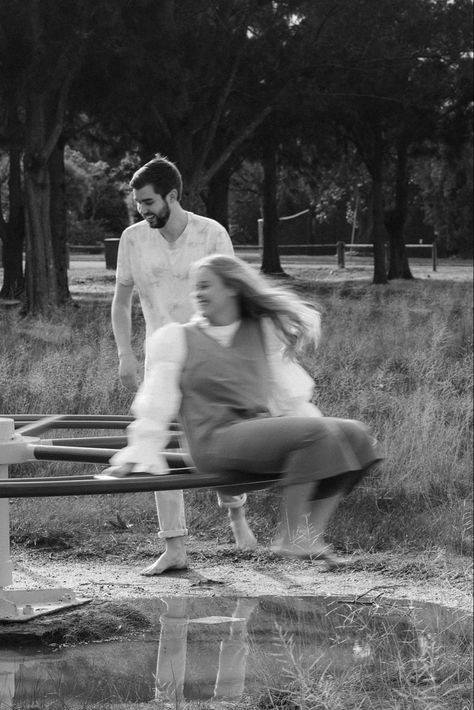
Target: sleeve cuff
153, 463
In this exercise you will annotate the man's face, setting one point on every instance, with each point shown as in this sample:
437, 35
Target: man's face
152, 206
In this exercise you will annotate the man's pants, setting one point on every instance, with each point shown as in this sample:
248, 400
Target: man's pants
171, 515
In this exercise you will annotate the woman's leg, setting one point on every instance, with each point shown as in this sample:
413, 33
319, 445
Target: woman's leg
321, 511
311, 454
301, 449
303, 525
294, 507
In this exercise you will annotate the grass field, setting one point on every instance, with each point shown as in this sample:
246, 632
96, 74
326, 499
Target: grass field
398, 357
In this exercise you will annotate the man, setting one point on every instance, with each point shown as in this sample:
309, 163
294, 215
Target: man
155, 256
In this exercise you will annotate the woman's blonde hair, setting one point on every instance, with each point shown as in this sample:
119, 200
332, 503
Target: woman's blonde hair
297, 322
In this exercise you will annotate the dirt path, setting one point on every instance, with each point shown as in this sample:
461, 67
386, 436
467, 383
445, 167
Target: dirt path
221, 571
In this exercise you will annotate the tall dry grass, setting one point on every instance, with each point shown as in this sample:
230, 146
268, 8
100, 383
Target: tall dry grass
398, 357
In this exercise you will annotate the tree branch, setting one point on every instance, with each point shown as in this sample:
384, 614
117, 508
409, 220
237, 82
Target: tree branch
211, 134
58, 123
232, 147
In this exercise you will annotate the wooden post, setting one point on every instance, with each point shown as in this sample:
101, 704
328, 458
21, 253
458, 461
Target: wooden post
434, 254
340, 250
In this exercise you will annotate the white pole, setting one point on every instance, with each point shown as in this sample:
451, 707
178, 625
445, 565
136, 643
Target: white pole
21, 603
7, 431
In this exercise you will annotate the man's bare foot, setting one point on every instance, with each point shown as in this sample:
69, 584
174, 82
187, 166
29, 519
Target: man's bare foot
244, 537
174, 557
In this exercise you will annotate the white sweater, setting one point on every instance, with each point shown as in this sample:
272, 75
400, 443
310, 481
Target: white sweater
159, 398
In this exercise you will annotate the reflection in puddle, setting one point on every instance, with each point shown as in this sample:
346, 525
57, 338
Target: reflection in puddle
220, 649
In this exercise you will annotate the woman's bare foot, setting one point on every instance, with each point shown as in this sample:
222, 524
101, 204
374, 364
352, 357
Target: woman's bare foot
174, 557
244, 537
307, 552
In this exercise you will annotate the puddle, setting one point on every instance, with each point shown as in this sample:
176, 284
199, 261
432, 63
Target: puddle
220, 650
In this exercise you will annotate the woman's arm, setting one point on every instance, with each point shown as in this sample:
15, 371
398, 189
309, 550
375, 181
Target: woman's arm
291, 387
156, 405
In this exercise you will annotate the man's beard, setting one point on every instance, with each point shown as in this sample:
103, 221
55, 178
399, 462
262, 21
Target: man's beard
159, 220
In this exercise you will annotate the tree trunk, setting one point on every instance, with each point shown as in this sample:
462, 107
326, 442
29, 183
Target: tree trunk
217, 198
40, 269
396, 219
378, 233
13, 232
58, 219
378, 227
43, 130
41, 285
193, 185
271, 257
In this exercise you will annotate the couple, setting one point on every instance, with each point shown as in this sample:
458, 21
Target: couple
231, 378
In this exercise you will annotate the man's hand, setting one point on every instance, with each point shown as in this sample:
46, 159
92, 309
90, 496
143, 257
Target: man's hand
129, 372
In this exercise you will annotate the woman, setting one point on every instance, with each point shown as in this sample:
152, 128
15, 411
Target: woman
231, 378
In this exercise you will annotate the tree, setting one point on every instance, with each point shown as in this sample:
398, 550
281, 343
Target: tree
282, 65
174, 85
445, 193
382, 77
95, 199
12, 227
44, 52
427, 83
47, 74
270, 258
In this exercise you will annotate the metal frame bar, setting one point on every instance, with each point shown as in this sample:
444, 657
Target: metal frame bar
83, 454
99, 450
71, 417
136, 483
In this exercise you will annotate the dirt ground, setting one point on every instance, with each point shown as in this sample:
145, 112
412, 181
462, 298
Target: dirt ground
218, 570
89, 277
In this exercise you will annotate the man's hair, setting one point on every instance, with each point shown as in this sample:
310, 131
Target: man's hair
161, 173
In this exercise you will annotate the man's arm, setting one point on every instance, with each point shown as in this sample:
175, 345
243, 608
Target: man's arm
129, 369
224, 243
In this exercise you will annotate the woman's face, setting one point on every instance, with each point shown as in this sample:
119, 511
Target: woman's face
212, 297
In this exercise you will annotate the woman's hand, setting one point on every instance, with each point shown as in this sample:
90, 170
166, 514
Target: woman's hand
121, 471
160, 468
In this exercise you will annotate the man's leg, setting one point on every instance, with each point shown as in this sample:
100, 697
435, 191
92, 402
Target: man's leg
171, 662
230, 681
243, 536
172, 521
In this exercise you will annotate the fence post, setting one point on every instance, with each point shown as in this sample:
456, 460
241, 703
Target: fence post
111, 246
434, 254
340, 250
